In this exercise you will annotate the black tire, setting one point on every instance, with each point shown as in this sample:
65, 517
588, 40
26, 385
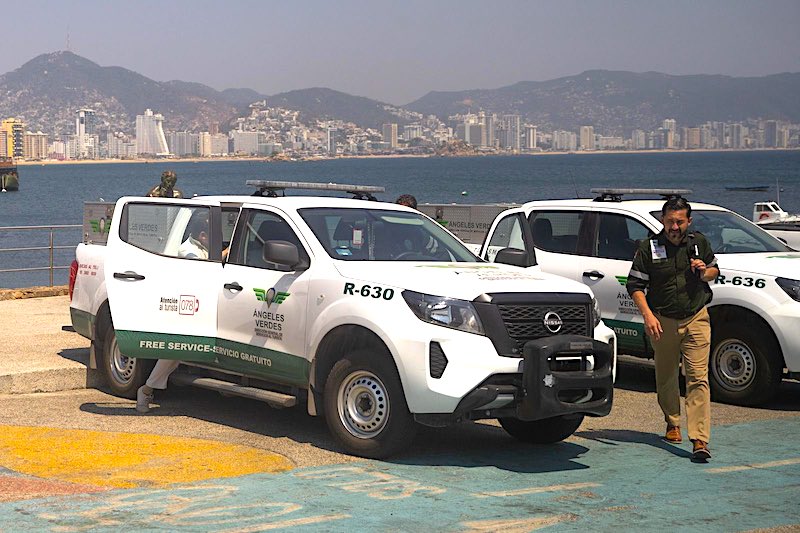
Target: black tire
744, 365
365, 406
124, 375
545, 431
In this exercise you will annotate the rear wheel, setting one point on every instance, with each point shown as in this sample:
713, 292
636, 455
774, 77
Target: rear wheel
365, 407
124, 375
546, 431
745, 366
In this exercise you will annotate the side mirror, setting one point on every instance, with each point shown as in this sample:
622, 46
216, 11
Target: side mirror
512, 256
284, 254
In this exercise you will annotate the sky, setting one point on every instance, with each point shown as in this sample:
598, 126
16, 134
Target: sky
397, 52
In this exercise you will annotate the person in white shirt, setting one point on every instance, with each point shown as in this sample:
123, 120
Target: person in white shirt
196, 244
194, 247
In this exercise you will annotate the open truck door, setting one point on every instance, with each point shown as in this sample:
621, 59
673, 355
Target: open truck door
163, 272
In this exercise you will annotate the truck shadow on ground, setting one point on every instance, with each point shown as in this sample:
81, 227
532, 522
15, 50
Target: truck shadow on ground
466, 445
79, 355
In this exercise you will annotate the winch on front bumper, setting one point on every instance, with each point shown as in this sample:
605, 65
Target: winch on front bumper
561, 375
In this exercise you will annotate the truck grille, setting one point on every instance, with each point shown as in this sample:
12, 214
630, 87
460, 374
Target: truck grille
512, 319
527, 322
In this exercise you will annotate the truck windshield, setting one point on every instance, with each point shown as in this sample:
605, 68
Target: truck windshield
383, 235
729, 233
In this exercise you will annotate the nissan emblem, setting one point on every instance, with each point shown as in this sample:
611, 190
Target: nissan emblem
553, 322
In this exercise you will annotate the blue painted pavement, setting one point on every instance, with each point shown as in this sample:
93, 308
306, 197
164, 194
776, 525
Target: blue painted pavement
602, 480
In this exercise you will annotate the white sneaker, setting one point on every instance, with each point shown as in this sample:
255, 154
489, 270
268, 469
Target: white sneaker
143, 400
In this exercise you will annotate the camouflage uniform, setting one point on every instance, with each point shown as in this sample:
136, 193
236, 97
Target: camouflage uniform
166, 189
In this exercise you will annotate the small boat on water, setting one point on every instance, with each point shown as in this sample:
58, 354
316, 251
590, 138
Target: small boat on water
9, 179
752, 188
770, 216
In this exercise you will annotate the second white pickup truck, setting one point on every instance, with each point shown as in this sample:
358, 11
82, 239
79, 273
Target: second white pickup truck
374, 313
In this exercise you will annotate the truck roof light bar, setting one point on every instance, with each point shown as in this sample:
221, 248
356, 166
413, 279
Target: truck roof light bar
272, 188
615, 195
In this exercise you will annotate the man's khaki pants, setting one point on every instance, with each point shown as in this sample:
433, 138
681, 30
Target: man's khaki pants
690, 339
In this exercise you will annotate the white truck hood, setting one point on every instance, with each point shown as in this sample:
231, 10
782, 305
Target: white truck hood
465, 281
780, 264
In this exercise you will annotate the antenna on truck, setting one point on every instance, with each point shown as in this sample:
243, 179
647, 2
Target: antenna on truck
271, 189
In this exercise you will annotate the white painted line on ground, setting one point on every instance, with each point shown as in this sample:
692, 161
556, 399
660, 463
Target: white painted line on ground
289, 523
771, 464
517, 525
536, 490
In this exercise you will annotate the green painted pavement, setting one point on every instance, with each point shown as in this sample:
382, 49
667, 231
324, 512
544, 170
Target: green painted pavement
599, 481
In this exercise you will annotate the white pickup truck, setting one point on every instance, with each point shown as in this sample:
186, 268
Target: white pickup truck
755, 310
371, 312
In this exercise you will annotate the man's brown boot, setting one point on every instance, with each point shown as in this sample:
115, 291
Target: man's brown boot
673, 435
700, 451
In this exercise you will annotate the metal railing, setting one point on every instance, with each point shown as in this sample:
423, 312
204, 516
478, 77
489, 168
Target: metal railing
51, 247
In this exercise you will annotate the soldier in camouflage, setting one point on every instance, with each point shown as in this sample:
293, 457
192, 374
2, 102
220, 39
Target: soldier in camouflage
166, 189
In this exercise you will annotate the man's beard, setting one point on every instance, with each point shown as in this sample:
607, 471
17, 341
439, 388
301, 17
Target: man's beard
676, 236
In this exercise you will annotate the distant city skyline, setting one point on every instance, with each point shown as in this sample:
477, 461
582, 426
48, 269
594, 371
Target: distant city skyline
396, 53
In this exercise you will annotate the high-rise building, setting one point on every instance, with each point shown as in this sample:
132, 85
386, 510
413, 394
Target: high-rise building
14, 129
587, 138
412, 131
183, 143
771, 134
477, 134
219, 144
245, 142
513, 133
150, 139
490, 126
638, 140
204, 143
390, 135
530, 137
85, 146
332, 138
736, 137
119, 146
692, 138
34, 146
669, 129
565, 141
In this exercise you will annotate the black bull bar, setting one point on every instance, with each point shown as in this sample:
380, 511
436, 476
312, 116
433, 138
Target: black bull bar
549, 392
546, 391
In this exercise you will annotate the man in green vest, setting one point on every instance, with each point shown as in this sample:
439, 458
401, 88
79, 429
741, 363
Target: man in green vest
668, 281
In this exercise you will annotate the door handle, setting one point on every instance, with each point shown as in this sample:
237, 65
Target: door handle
233, 286
128, 275
593, 274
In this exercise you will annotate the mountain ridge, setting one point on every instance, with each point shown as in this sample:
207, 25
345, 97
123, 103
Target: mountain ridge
46, 91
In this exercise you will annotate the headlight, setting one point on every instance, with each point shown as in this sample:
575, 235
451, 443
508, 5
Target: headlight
595, 313
790, 287
447, 312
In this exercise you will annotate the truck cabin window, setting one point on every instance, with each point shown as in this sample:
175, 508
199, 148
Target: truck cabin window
171, 230
383, 235
728, 233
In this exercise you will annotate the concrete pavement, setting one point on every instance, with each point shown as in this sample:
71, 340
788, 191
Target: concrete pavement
36, 355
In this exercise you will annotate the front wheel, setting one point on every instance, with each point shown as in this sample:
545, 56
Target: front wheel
546, 431
124, 375
745, 367
365, 407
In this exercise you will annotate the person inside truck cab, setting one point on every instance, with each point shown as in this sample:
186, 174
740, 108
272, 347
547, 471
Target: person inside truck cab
196, 244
